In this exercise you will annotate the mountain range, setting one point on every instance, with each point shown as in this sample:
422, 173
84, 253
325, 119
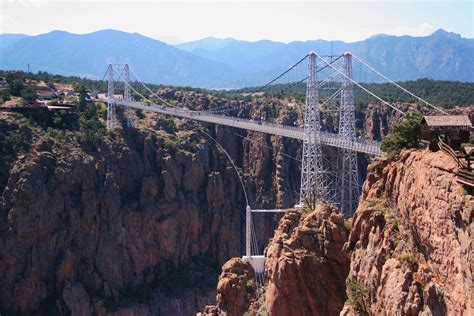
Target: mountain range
231, 63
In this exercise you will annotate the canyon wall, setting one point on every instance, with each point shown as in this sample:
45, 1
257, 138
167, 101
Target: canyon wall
411, 240
145, 220
409, 251
142, 224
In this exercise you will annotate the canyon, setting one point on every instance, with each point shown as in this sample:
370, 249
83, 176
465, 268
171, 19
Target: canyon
143, 224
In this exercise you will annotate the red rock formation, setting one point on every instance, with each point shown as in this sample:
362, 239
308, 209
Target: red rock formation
117, 220
380, 118
79, 227
235, 289
412, 239
305, 264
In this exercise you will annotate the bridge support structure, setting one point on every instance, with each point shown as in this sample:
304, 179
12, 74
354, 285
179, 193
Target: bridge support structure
314, 187
129, 113
111, 115
257, 261
348, 184
127, 96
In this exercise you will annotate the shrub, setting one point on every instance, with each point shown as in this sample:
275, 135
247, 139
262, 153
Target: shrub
15, 86
378, 204
408, 258
13, 142
167, 124
463, 191
28, 96
405, 135
60, 120
4, 95
170, 144
139, 113
347, 224
359, 295
250, 285
91, 133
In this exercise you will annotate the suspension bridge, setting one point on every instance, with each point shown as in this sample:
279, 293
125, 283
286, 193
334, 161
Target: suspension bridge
340, 185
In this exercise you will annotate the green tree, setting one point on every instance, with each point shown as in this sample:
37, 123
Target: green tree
4, 95
28, 95
405, 135
90, 111
81, 89
16, 86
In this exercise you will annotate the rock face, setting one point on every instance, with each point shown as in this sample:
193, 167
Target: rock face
235, 289
129, 220
411, 240
305, 264
81, 232
379, 118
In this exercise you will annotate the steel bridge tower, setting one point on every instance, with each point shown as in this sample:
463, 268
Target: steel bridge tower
129, 112
313, 181
127, 96
111, 117
348, 175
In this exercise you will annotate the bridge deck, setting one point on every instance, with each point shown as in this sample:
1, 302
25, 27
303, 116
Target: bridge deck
326, 138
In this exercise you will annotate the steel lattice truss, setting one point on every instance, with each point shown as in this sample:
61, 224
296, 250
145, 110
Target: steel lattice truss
314, 185
123, 71
129, 113
111, 115
348, 184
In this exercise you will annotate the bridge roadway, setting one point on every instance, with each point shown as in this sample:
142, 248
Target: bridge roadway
326, 138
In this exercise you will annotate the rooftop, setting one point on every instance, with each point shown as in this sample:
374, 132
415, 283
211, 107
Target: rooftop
447, 120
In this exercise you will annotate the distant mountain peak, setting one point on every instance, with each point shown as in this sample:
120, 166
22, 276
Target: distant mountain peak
381, 35
212, 38
58, 32
227, 62
442, 32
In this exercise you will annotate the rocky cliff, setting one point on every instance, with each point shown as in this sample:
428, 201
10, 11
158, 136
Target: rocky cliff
236, 290
143, 218
379, 119
306, 265
142, 222
411, 240
409, 251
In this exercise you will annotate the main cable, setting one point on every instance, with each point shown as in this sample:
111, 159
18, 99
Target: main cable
397, 85
154, 94
360, 86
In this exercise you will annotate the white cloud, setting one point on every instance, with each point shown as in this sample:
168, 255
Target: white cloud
420, 30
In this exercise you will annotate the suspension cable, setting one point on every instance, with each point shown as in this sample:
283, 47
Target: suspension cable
231, 161
154, 94
289, 69
268, 147
259, 276
398, 86
281, 75
297, 83
218, 144
360, 86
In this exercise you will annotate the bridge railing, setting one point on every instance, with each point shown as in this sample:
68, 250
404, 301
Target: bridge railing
326, 138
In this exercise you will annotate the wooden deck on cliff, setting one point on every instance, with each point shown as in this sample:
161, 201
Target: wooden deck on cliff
465, 174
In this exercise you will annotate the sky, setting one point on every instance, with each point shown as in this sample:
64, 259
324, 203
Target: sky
284, 21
